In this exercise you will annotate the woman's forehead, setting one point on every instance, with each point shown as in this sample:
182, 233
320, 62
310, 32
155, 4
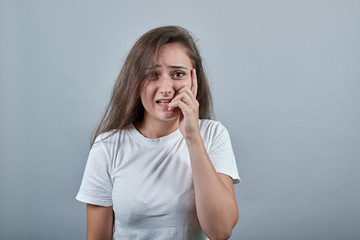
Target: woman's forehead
171, 55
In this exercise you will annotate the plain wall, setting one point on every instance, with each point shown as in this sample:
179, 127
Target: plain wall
285, 76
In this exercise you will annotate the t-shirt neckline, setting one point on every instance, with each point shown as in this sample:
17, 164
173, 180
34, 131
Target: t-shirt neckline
156, 141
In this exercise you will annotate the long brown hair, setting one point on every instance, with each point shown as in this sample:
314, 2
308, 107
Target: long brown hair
125, 105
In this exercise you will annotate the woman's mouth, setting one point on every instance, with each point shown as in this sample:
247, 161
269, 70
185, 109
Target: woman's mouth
163, 102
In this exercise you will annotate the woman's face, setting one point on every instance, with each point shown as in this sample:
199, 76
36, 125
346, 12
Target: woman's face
171, 73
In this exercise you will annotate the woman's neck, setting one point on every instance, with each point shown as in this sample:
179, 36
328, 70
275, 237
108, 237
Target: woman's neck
157, 129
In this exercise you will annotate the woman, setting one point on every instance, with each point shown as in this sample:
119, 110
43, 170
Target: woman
155, 171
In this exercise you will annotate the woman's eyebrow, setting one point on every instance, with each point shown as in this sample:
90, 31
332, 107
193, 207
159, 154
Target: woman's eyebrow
171, 66
178, 67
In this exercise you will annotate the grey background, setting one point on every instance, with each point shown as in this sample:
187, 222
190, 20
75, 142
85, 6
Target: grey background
285, 79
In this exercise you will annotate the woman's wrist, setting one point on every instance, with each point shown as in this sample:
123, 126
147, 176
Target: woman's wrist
194, 141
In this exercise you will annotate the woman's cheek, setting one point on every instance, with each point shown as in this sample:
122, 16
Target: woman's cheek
150, 88
182, 83
186, 83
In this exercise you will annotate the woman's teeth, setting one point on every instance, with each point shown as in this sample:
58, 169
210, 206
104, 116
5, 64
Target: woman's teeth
163, 102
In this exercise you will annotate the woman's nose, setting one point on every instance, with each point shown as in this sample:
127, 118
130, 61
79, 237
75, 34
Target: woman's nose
166, 85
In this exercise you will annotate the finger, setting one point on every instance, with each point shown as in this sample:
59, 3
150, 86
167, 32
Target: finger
185, 108
185, 97
185, 91
194, 85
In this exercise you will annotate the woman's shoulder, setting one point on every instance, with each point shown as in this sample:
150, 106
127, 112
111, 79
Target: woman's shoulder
112, 136
211, 128
208, 124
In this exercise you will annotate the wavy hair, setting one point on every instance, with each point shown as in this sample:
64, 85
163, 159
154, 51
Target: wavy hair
125, 105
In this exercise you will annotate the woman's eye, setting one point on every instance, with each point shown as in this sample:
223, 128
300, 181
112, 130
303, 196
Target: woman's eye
179, 74
151, 75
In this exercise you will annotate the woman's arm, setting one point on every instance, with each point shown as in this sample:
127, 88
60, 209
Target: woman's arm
100, 222
214, 194
215, 199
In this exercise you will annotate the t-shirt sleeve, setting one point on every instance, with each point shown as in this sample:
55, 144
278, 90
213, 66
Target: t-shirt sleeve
96, 185
221, 153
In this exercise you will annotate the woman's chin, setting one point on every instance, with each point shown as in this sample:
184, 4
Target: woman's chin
171, 115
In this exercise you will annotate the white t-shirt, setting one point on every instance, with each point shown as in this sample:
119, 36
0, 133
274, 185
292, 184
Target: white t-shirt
149, 181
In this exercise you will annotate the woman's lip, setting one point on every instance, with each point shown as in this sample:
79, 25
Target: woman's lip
164, 99
163, 106
164, 103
